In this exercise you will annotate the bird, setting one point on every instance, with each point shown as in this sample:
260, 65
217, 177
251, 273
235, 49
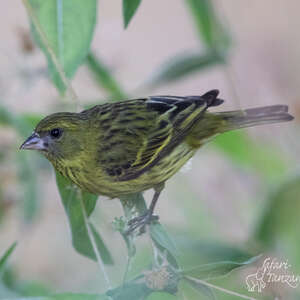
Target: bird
121, 148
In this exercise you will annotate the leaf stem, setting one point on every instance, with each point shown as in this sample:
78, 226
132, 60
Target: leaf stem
189, 278
94, 245
104, 77
154, 248
129, 240
54, 59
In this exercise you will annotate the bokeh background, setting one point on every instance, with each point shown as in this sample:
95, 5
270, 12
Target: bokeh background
241, 191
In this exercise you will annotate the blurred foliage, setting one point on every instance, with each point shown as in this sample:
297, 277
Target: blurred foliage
104, 78
129, 9
194, 252
182, 65
212, 34
277, 227
26, 288
213, 270
209, 27
64, 29
28, 180
244, 151
161, 296
26, 171
70, 296
6, 255
160, 236
192, 290
68, 27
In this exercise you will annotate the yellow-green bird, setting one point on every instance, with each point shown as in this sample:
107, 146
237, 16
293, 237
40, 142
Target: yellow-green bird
116, 149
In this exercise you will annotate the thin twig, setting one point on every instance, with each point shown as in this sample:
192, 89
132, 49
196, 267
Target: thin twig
53, 57
128, 216
154, 248
219, 288
94, 245
127, 269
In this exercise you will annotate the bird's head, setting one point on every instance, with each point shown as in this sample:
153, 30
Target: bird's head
58, 136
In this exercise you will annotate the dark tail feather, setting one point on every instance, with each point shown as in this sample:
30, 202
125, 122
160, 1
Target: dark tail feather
255, 116
211, 98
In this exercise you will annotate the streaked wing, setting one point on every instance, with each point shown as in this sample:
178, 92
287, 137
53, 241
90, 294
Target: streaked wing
138, 133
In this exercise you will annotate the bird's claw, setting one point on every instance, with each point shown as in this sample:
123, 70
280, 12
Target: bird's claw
140, 222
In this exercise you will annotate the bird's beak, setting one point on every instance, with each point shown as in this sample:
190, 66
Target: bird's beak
34, 142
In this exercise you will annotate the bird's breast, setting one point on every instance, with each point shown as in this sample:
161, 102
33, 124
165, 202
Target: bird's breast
95, 180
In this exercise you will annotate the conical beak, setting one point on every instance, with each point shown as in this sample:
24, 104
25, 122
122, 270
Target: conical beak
34, 142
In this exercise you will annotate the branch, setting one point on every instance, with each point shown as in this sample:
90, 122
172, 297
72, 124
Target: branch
218, 288
94, 245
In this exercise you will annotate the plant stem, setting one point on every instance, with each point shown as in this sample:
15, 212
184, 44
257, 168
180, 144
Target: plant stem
154, 249
218, 288
104, 77
129, 240
94, 245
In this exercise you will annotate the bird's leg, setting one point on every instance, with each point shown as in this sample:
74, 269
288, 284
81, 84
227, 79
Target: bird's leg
146, 218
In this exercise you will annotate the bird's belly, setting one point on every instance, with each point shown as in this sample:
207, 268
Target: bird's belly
163, 170
169, 165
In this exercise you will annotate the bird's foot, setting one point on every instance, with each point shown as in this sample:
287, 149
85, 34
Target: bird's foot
140, 222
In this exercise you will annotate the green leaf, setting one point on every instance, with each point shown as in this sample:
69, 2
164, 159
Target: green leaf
6, 118
26, 288
279, 222
129, 291
19, 123
161, 296
104, 77
26, 171
6, 293
217, 269
208, 25
161, 237
193, 252
32, 119
164, 244
239, 147
132, 204
191, 290
182, 65
27, 175
68, 296
129, 9
68, 26
70, 196
6, 255
23, 124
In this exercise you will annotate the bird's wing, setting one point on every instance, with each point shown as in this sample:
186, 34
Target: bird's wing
150, 129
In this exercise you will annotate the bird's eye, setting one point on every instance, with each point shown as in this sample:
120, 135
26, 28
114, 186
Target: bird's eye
56, 133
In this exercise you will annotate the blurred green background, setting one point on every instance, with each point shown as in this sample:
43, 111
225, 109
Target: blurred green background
238, 197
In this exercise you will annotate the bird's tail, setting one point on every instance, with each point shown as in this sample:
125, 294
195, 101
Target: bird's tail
253, 117
219, 122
